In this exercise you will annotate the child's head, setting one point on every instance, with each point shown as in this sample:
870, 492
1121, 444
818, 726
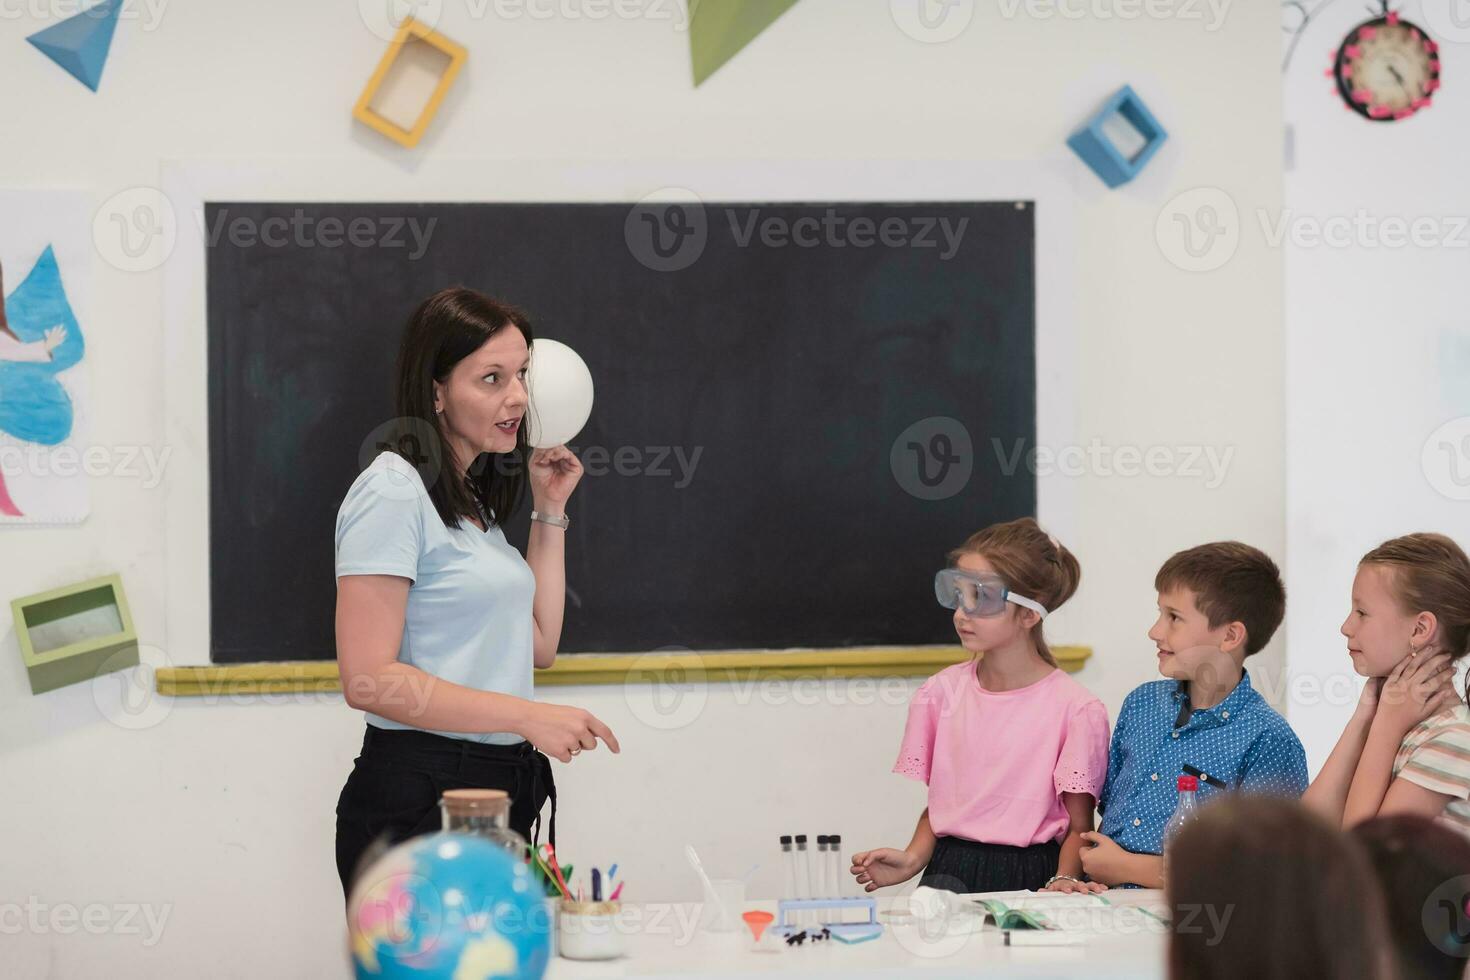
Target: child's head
1424, 869
1411, 593
1224, 597
1032, 565
1259, 887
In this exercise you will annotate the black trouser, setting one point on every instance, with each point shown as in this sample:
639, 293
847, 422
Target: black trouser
968, 866
394, 788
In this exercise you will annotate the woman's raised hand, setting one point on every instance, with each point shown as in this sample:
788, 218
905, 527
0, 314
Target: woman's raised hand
554, 475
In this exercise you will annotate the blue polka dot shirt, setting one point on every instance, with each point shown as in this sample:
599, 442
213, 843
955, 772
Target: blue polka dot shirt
1241, 742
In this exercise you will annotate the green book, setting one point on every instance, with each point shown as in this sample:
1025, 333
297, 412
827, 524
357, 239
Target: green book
1006, 917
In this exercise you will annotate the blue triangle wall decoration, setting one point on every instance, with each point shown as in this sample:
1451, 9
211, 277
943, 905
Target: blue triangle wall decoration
80, 43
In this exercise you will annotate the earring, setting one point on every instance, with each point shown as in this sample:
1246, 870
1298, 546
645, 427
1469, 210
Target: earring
438, 411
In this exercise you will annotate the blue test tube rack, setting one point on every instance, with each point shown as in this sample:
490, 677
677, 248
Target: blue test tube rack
786, 906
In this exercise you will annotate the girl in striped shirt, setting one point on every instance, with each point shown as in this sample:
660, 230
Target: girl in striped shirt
1407, 747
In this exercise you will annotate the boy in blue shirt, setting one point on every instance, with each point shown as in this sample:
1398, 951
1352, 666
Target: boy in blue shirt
1218, 604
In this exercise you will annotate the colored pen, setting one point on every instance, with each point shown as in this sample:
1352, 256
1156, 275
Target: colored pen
616, 892
542, 867
551, 859
596, 885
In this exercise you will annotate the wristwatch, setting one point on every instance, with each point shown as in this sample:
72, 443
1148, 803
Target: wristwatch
561, 521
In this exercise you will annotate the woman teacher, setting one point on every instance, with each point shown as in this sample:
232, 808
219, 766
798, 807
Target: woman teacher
439, 619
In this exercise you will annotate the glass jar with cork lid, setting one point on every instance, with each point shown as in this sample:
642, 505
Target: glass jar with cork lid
484, 812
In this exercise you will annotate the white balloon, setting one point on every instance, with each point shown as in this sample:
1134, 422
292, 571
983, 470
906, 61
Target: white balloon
561, 394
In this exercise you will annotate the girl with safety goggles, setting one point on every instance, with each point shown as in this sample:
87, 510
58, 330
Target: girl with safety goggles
1014, 751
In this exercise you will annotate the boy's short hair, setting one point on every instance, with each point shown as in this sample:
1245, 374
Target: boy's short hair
1232, 582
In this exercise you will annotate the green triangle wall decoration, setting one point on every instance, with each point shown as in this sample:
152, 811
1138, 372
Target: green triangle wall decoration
719, 29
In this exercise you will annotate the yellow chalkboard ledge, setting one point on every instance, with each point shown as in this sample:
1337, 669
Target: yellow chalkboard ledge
615, 668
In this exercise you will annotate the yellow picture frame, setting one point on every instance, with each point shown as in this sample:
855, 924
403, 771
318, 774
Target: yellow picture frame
409, 32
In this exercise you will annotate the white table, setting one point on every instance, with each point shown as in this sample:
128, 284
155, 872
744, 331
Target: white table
1122, 941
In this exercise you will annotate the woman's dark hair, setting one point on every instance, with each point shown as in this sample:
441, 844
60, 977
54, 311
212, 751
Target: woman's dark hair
445, 329
1259, 887
1424, 868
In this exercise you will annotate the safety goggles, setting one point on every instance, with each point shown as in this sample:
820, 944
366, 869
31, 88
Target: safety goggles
981, 595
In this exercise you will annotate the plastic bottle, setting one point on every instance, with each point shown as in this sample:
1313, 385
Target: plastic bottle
1184, 811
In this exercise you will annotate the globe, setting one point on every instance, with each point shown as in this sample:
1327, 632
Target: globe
448, 906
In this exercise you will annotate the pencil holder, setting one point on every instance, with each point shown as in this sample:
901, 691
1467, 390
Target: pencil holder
589, 930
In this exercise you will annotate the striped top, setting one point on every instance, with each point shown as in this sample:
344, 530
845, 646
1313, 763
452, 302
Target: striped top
1436, 755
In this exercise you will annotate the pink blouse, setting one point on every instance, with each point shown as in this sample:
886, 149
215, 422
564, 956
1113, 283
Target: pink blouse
997, 763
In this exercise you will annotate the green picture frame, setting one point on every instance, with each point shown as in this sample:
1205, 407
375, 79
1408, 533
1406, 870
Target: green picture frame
74, 633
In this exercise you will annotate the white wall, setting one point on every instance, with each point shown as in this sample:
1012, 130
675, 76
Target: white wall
1378, 345
224, 812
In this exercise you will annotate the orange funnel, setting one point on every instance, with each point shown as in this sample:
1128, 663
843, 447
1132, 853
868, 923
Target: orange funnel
757, 922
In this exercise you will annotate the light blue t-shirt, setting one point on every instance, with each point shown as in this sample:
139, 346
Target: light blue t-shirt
469, 607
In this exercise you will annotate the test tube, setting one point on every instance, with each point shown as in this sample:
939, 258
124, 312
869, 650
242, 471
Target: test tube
803, 876
788, 867
824, 873
819, 868
835, 873
834, 860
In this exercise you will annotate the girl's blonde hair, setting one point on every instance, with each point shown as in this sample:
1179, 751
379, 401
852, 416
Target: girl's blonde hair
1032, 563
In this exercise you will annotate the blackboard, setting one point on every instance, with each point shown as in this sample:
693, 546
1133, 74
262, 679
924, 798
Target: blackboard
805, 359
